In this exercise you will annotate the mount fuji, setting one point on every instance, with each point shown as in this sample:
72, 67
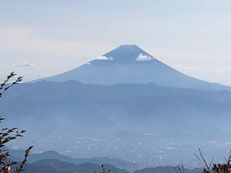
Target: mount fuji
149, 109
130, 64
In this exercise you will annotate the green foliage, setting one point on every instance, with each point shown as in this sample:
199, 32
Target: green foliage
9, 134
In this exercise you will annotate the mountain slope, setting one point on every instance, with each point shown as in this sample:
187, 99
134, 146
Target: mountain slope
130, 64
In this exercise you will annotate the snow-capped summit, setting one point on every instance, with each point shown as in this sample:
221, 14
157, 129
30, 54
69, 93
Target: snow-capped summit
131, 64
124, 54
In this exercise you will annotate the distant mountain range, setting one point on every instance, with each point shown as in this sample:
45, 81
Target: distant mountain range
131, 64
57, 166
115, 105
97, 121
166, 169
53, 162
17, 155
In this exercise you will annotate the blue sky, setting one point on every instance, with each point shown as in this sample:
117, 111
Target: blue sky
43, 38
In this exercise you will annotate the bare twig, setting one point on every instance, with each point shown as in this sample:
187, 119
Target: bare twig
179, 169
4, 88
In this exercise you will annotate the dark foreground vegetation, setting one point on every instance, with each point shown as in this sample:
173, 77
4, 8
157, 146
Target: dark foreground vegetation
9, 134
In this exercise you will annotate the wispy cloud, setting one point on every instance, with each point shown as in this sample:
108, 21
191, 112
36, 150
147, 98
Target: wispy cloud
25, 64
201, 69
142, 57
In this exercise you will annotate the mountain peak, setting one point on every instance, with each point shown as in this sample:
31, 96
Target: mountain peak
129, 46
130, 64
127, 49
127, 53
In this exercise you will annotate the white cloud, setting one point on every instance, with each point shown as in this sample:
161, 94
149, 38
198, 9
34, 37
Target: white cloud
25, 64
103, 58
142, 57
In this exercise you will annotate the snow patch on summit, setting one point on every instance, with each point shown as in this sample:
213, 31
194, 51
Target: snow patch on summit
142, 57
103, 58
